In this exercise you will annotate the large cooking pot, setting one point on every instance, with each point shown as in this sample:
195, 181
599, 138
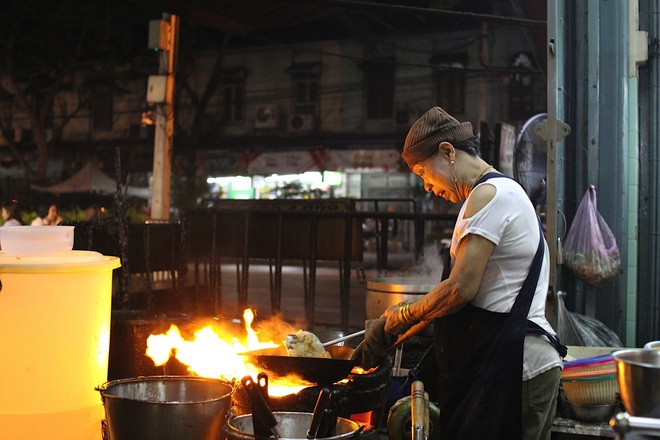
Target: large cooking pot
290, 425
316, 370
384, 292
652, 345
166, 407
638, 372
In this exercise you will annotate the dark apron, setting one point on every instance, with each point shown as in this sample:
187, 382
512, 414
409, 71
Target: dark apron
480, 360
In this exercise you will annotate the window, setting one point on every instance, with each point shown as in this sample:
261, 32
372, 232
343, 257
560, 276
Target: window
450, 82
305, 86
521, 87
101, 107
234, 95
379, 87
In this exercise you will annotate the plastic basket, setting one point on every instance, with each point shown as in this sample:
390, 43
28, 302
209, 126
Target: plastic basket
594, 363
594, 390
593, 374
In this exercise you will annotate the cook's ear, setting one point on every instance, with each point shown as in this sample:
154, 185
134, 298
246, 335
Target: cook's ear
448, 150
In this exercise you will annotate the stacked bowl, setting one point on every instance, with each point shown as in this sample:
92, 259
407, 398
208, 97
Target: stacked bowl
590, 385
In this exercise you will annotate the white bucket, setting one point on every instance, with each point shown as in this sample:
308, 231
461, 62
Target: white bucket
54, 333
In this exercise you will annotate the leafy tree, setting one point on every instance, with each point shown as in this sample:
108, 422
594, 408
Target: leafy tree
52, 57
193, 121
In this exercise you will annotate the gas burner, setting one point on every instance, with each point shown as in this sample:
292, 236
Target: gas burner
364, 393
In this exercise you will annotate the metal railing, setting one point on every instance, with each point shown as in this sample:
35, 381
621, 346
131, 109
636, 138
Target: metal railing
304, 232
278, 234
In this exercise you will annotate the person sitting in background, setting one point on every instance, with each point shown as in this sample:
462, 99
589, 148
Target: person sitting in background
11, 215
93, 212
47, 216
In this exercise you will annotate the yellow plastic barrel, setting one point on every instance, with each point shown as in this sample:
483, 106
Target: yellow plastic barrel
55, 314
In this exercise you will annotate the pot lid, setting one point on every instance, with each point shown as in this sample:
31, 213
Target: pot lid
402, 284
57, 262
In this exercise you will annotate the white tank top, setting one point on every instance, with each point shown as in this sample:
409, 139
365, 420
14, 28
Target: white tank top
510, 222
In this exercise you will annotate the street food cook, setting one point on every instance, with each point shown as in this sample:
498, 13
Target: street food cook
499, 361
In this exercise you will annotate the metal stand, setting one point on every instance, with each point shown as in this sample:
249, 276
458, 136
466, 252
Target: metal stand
623, 423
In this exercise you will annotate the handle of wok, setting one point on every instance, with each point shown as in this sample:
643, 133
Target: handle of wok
412, 331
357, 353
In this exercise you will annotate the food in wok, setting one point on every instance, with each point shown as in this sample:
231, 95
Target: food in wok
305, 344
325, 369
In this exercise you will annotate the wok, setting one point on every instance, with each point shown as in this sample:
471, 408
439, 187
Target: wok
316, 370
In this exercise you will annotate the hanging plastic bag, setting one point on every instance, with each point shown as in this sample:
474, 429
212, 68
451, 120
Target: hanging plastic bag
576, 329
590, 249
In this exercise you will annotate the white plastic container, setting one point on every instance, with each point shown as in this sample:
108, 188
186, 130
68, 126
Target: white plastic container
36, 240
54, 335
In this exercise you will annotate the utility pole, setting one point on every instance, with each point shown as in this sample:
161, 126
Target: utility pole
164, 126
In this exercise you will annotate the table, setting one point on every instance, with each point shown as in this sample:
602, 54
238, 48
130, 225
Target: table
571, 426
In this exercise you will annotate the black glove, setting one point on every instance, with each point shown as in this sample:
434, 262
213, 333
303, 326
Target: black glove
377, 343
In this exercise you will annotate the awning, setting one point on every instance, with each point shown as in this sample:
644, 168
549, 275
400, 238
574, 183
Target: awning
92, 180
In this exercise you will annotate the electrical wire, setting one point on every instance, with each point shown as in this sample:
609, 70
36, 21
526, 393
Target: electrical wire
494, 70
439, 12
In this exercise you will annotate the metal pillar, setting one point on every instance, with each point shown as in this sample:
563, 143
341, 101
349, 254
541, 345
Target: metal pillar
552, 131
648, 306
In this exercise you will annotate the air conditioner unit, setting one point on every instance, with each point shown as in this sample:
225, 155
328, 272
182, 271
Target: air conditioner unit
404, 116
266, 116
300, 123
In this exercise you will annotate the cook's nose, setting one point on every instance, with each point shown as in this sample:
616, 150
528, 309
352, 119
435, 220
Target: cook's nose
428, 187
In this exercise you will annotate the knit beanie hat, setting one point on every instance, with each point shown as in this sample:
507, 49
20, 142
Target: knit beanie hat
435, 126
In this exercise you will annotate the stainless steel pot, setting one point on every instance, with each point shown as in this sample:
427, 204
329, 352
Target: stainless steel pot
652, 345
166, 407
290, 426
638, 372
384, 292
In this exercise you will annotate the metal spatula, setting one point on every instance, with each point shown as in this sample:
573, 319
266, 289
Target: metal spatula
292, 339
344, 338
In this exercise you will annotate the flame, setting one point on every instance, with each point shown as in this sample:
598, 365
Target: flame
214, 355
253, 342
359, 370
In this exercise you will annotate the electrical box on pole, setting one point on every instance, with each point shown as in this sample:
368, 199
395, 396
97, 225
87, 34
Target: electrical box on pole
156, 89
159, 35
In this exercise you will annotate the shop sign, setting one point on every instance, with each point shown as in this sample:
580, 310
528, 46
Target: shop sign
387, 159
291, 162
